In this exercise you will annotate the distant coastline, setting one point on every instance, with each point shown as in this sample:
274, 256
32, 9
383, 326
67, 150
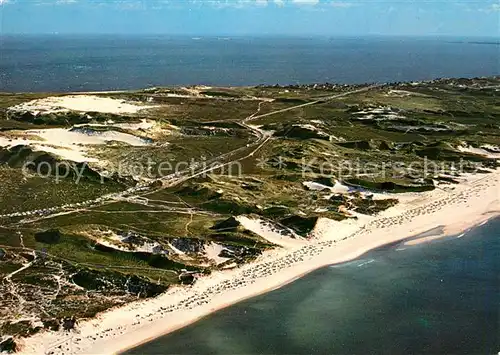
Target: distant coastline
495, 43
59, 62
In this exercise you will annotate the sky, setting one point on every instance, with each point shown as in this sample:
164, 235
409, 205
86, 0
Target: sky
253, 17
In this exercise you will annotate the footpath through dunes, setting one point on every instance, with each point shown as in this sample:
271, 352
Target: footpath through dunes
473, 201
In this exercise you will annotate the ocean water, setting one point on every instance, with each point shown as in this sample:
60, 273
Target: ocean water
437, 298
86, 63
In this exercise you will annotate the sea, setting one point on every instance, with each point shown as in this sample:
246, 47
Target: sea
441, 297
62, 63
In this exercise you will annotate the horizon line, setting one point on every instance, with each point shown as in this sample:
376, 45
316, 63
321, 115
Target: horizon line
254, 35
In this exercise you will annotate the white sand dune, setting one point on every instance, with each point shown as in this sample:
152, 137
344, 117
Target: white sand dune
212, 251
112, 240
494, 148
270, 234
81, 103
69, 144
142, 125
180, 254
337, 188
74, 153
404, 93
479, 151
175, 250
470, 203
340, 188
315, 186
380, 113
67, 138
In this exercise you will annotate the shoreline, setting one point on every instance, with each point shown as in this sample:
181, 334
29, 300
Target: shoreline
471, 203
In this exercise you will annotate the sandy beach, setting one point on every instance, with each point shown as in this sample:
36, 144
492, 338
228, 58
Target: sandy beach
455, 208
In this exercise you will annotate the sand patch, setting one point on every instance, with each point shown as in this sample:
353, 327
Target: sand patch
70, 144
404, 93
337, 188
74, 153
424, 240
340, 188
68, 137
212, 252
267, 232
328, 229
127, 243
479, 151
81, 103
143, 125
378, 113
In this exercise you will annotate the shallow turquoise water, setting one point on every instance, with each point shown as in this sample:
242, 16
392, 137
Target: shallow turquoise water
441, 297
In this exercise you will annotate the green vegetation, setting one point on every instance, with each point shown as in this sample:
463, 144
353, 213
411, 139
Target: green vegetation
110, 239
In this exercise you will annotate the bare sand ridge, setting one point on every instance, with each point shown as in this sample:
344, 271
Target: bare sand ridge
480, 151
470, 203
82, 103
71, 144
266, 231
